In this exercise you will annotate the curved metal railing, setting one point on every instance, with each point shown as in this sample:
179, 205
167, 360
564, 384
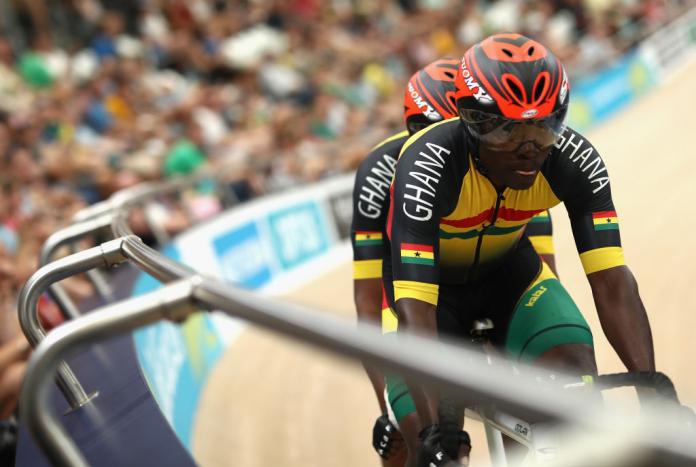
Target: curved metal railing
68, 236
451, 367
112, 214
434, 362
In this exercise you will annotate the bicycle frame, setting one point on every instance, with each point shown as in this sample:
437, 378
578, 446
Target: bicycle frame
498, 423
540, 439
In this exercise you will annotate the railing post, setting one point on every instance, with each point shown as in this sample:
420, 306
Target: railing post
105, 255
171, 302
68, 236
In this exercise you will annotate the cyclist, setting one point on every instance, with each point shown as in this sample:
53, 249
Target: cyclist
464, 190
429, 98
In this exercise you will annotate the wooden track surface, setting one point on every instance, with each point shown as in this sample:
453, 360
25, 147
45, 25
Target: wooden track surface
273, 402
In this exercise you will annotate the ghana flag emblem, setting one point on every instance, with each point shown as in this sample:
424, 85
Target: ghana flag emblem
605, 220
415, 253
365, 238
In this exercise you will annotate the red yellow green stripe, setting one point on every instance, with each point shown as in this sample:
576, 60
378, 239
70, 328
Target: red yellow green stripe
367, 238
605, 220
492, 230
542, 217
416, 253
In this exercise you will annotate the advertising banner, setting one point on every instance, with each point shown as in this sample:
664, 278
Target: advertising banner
670, 47
270, 244
298, 234
242, 256
598, 97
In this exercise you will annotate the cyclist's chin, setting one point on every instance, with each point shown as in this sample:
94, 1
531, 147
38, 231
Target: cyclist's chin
521, 180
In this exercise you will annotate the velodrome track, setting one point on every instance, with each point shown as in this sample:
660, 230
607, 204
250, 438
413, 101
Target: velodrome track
273, 402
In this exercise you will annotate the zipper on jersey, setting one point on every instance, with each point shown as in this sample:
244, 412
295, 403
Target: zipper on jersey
473, 272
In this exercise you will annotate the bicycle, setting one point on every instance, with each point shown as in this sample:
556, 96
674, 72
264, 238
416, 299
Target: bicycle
539, 440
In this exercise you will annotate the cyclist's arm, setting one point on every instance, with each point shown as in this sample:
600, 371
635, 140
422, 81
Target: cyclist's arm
540, 233
595, 225
615, 292
421, 194
370, 206
367, 295
623, 317
419, 317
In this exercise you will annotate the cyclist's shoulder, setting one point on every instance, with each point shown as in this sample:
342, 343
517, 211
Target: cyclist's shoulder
575, 165
391, 144
382, 157
448, 134
575, 150
432, 170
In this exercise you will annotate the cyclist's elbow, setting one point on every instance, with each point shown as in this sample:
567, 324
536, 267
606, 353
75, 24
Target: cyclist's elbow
416, 316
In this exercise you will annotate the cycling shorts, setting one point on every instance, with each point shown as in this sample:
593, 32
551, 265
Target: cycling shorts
531, 311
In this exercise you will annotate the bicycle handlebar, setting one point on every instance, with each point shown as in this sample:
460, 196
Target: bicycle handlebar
652, 379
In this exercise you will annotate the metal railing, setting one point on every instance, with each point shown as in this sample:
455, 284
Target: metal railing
68, 236
451, 367
110, 214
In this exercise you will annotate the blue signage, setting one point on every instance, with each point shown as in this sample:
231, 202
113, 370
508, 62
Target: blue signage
176, 359
601, 95
298, 234
243, 259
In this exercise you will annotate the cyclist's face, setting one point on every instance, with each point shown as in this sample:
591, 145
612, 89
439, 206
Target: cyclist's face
517, 168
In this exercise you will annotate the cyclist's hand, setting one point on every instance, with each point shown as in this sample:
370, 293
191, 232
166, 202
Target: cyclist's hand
432, 453
464, 448
384, 436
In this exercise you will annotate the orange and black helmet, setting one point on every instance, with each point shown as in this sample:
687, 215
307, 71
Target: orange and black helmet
430, 95
509, 79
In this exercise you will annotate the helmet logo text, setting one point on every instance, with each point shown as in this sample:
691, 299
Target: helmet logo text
564, 88
426, 108
480, 95
531, 113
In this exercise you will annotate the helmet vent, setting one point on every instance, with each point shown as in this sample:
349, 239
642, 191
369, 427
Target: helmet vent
449, 74
515, 89
539, 88
530, 51
507, 52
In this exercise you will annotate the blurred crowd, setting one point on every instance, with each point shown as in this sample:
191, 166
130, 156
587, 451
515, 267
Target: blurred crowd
100, 95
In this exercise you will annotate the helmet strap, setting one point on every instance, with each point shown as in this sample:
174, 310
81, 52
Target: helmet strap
474, 145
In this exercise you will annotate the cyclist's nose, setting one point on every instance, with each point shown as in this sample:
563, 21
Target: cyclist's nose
528, 150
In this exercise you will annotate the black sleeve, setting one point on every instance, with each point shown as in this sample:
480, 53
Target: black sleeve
370, 207
588, 200
422, 193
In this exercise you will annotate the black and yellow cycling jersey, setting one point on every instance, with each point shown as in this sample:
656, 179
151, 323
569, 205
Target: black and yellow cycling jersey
371, 205
540, 233
449, 225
